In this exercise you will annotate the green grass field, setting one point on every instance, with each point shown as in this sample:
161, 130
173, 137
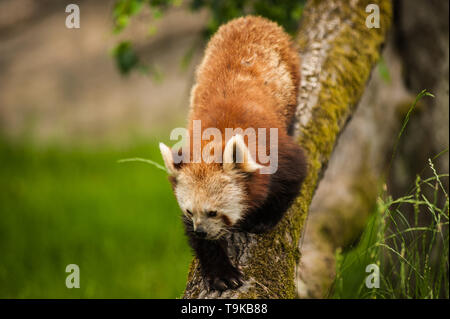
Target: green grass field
118, 222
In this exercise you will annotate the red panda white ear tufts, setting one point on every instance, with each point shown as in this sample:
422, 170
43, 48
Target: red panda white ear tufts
237, 154
167, 156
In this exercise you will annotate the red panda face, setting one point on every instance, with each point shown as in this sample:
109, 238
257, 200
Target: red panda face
212, 198
213, 195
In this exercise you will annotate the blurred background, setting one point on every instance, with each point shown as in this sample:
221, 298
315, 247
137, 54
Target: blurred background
75, 101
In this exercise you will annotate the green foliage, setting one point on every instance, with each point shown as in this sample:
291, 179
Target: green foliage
126, 58
118, 221
412, 252
413, 257
123, 11
285, 13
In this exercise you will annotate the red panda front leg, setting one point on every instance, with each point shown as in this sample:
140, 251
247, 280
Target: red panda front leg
214, 262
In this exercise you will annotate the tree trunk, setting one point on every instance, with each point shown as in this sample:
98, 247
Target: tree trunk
347, 194
338, 52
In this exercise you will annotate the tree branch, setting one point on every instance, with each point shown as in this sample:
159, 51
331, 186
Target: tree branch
338, 53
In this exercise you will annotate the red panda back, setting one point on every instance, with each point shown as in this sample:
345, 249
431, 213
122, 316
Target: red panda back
249, 77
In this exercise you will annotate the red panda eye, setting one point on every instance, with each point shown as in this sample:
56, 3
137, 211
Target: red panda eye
188, 212
212, 214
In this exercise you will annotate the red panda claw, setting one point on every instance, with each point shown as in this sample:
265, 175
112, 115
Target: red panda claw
219, 284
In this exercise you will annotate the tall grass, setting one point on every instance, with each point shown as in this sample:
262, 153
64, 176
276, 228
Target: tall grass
407, 238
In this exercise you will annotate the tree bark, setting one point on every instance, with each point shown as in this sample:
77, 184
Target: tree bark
347, 194
338, 52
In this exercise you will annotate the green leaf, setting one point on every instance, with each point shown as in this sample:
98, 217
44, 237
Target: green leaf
123, 11
126, 58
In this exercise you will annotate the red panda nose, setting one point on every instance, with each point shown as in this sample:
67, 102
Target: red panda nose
200, 232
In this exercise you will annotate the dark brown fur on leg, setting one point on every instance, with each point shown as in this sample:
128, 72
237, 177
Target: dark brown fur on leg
216, 267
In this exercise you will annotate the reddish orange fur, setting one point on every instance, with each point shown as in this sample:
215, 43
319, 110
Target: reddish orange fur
249, 77
233, 93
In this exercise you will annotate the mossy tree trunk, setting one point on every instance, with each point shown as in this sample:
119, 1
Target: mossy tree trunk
338, 52
338, 215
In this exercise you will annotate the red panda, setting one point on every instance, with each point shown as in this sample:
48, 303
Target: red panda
248, 79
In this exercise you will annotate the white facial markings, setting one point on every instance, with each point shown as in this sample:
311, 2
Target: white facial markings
218, 191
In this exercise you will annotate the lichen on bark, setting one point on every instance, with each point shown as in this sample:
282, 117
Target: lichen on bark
338, 52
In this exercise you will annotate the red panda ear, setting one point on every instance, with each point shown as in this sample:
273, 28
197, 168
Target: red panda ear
237, 155
167, 155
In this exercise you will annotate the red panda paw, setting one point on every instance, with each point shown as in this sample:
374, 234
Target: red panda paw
226, 277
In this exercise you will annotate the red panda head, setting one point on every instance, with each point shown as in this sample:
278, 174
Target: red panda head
216, 196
